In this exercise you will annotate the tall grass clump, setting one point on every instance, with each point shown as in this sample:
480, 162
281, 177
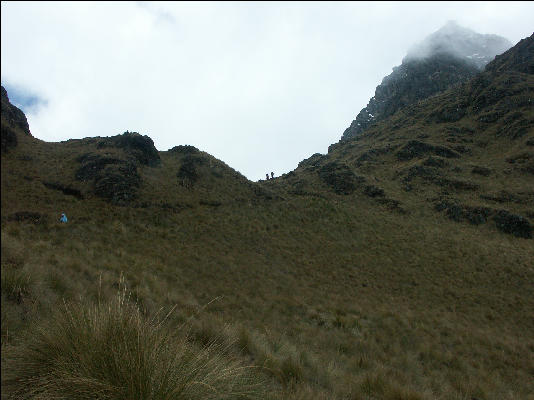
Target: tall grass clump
111, 351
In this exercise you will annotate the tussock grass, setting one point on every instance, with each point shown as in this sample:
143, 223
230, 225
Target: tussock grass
16, 283
111, 351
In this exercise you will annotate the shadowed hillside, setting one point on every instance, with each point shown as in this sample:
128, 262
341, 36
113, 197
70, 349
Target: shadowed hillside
397, 266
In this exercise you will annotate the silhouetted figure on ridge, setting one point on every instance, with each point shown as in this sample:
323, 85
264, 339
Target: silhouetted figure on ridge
267, 176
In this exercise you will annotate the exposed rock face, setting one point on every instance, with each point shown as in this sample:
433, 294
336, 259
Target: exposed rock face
446, 58
118, 184
141, 148
114, 179
13, 119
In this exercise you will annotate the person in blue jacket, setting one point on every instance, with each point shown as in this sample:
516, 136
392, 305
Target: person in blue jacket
63, 218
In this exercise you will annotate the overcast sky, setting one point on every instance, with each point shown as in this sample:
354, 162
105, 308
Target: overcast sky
260, 86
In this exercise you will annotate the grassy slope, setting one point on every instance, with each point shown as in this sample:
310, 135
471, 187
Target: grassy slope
336, 295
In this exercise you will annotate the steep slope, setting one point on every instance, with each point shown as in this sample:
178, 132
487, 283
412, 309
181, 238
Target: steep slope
446, 58
466, 152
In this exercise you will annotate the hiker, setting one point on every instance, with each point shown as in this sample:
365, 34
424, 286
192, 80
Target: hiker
267, 176
63, 218
272, 175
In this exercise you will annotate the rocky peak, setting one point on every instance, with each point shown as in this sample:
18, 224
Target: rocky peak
446, 58
456, 41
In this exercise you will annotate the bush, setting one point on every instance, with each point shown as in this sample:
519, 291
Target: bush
112, 352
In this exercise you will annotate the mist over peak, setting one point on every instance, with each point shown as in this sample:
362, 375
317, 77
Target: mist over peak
460, 42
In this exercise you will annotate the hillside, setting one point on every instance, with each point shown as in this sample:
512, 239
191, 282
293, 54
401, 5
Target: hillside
397, 266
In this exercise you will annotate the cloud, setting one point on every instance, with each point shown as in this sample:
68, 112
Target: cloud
258, 85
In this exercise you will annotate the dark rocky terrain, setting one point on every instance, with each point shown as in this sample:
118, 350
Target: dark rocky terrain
446, 58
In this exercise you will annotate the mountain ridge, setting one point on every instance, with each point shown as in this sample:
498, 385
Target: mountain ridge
444, 59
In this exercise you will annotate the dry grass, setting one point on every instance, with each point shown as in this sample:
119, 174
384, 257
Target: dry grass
110, 351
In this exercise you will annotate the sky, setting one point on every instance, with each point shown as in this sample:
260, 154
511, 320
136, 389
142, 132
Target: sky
259, 85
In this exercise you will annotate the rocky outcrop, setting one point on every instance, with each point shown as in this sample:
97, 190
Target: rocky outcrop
13, 120
113, 179
184, 149
141, 148
459, 212
407, 84
446, 58
118, 183
504, 220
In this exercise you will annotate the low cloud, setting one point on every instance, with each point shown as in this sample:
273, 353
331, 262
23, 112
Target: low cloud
460, 42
